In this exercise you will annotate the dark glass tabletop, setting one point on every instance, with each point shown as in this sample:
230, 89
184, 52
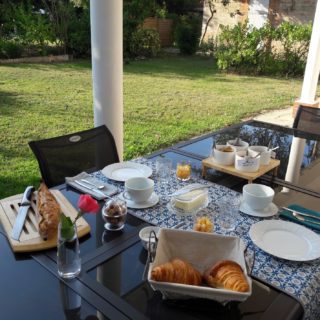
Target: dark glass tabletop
29, 291
110, 284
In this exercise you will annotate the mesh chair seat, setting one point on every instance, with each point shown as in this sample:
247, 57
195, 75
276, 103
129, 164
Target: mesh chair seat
307, 122
68, 155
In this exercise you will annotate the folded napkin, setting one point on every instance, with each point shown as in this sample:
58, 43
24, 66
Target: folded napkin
308, 220
108, 189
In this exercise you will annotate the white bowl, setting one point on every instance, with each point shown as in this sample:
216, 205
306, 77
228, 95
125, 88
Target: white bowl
243, 145
223, 157
144, 235
257, 196
265, 154
246, 163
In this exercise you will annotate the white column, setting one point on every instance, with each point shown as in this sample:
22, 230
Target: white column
107, 66
311, 74
308, 94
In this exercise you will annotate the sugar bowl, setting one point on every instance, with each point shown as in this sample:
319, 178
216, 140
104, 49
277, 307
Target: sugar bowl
114, 214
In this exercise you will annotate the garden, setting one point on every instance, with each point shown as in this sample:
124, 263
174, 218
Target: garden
167, 98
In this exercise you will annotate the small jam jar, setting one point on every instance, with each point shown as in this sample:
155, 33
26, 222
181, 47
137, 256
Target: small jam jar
114, 214
183, 171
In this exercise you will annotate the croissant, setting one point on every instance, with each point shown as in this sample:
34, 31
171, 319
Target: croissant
177, 271
228, 275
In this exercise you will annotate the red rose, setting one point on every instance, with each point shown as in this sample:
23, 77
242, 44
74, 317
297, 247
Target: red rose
87, 204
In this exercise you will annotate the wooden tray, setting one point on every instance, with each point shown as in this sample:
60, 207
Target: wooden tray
250, 176
30, 239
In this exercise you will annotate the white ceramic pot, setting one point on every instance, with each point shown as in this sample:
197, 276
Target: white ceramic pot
246, 163
265, 154
257, 196
222, 157
243, 145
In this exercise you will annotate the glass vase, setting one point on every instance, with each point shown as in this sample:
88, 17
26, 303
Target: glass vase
68, 255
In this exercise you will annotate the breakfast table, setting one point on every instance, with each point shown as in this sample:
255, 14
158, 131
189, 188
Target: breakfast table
111, 285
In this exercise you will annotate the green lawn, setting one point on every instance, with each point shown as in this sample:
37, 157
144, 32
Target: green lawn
165, 100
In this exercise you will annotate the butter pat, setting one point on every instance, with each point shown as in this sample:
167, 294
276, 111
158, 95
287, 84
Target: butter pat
193, 200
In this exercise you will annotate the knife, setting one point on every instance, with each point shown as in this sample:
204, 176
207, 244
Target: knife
22, 213
302, 213
91, 188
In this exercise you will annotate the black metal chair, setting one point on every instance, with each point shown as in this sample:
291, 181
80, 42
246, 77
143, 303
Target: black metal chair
68, 155
307, 123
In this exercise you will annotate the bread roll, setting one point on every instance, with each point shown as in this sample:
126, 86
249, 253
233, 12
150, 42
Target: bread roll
177, 271
226, 274
48, 213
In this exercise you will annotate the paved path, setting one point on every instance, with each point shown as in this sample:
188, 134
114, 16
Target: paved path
282, 117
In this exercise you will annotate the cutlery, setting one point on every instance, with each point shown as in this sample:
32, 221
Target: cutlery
237, 142
178, 225
269, 145
301, 213
301, 218
91, 188
22, 213
92, 184
275, 148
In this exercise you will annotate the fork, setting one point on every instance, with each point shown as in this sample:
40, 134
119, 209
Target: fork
301, 218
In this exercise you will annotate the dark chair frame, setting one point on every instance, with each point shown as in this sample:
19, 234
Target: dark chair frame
303, 131
73, 140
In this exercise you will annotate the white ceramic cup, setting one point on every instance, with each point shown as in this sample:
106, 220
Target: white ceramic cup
223, 157
257, 196
265, 154
138, 189
243, 145
246, 163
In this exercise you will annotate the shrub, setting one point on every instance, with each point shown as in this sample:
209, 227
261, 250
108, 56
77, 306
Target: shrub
145, 42
243, 48
10, 49
187, 34
247, 49
79, 40
208, 47
295, 40
134, 13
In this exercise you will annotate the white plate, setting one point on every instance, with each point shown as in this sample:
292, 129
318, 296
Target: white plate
286, 240
269, 211
122, 171
152, 201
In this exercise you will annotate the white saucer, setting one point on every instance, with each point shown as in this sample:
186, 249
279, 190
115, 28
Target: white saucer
152, 201
268, 211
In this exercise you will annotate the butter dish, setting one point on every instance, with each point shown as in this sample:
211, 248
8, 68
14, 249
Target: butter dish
189, 202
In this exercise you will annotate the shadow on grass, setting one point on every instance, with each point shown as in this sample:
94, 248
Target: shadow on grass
63, 66
8, 102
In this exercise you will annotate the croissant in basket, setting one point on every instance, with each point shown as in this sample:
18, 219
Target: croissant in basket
226, 274
177, 271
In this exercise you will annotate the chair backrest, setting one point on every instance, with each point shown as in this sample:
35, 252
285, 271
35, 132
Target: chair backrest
307, 120
68, 155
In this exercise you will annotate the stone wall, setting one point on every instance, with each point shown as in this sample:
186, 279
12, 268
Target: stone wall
229, 14
296, 11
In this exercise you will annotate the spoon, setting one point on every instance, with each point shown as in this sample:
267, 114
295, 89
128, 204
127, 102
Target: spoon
275, 148
301, 218
92, 184
237, 142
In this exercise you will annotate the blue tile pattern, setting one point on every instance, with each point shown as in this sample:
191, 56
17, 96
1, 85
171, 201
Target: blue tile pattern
298, 279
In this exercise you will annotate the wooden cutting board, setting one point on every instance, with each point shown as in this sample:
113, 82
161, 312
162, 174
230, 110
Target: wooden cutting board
30, 239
